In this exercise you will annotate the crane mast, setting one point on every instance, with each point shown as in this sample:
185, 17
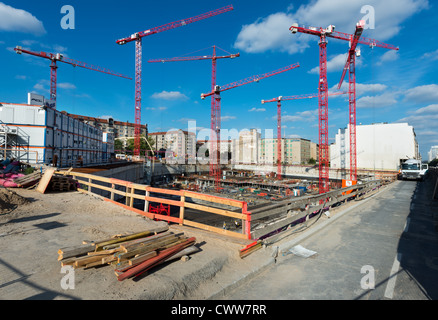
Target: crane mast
137, 37
215, 108
323, 34
278, 100
216, 93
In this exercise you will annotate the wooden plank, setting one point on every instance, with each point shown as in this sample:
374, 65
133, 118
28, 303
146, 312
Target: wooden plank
45, 179
226, 201
144, 241
141, 258
161, 200
214, 229
165, 191
181, 210
146, 248
250, 248
146, 265
140, 212
74, 251
167, 218
83, 261
104, 252
216, 211
99, 245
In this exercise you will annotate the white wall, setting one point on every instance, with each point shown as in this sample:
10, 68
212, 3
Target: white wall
378, 146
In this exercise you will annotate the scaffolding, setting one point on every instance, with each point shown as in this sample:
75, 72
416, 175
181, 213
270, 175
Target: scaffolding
13, 143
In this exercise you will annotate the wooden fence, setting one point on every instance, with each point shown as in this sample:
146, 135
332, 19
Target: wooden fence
278, 212
108, 188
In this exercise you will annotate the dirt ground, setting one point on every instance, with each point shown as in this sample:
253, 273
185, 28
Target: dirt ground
34, 226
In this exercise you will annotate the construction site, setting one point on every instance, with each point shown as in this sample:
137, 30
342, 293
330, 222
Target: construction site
174, 225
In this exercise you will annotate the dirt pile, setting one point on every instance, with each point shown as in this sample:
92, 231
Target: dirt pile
9, 200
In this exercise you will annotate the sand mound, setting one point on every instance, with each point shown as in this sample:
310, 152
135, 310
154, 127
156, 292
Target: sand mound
10, 200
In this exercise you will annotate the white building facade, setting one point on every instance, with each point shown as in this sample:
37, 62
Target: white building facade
433, 153
246, 149
45, 135
379, 146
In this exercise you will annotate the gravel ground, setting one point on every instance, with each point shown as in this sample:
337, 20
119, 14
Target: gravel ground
34, 226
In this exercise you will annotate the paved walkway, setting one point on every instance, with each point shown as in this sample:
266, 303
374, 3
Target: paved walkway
386, 248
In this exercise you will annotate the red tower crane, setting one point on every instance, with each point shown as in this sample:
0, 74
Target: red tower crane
55, 57
137, 37
216, 93
213, 59
350, 65
278, 100
323, 34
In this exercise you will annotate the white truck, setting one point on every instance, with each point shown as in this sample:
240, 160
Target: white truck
413, 169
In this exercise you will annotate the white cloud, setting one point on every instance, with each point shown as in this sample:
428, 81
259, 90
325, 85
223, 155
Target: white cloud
159, 108
431, 109
20, 77
66, 85
18, 20
361, 88
431, 55
422, 94
390, 55
170, 95
183, 120
55, 48
422, 122
336, 63
272, 33
384, 100
257, 109
40, 86
59, 49
226, 118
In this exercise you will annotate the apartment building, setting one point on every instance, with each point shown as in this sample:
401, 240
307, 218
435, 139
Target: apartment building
179, 145
293, 151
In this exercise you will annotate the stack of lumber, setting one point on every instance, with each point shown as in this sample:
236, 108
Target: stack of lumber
28, 180
130, 255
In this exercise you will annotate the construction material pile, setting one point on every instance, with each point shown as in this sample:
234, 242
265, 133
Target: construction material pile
130, 255
56, 182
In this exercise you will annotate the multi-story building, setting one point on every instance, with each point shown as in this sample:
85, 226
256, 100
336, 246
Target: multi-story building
225, 147
379, 146
433, 153
179, 145
293, 151
121, 130
245, 149
45, 135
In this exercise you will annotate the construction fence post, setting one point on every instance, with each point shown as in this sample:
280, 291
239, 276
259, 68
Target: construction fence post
181, 209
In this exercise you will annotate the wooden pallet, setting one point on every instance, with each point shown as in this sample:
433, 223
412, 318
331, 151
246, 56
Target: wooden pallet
58, 186
62, 183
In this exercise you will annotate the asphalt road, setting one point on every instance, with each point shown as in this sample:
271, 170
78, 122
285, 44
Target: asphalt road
385, 249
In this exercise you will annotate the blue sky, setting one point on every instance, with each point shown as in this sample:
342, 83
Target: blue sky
391, 86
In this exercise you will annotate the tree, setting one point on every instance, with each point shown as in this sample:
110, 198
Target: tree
433, 163
118, 145
143, 145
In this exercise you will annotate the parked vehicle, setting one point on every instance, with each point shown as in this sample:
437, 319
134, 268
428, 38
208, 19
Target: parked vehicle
413, 169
